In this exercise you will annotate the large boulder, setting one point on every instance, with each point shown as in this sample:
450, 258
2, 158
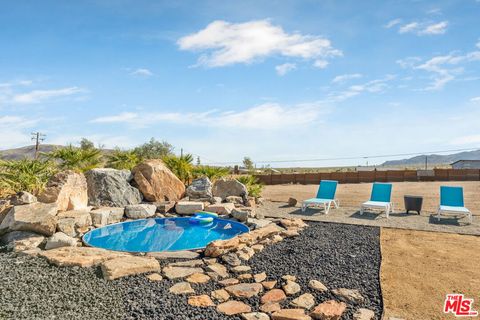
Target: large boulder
140, 211
36, 217
21, 240
200, 188
224, 188
157, 182
111, 188
106, 215
68, 190
59, 240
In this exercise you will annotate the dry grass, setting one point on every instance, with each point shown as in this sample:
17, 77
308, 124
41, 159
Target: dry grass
352, 195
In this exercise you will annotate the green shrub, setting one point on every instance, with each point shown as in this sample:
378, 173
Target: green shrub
123, 159
181, 166
25, 175
77, 159
154, 149
254, 187
212, 173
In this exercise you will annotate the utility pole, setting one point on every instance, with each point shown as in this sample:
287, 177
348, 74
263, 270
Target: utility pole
181, 153
37, 137
426, 162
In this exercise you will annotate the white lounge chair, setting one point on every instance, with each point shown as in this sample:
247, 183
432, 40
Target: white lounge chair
451, 201
379, 199
325, 196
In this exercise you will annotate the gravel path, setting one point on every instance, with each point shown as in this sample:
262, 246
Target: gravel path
338, 255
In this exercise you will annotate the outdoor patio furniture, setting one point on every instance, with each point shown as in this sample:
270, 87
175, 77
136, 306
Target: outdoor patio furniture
413, 203
325, 196
451, 201
379, 199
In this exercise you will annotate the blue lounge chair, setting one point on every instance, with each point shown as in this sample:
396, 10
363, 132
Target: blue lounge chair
380, 198
451, 201
325, 196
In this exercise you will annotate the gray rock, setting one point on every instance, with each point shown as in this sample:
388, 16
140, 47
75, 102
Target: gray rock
258, 223
216, 200
241, 216
21, 240
23, 197
348, 295
186, 207
200, 188
231, 259
140, 211
67, 226
234, 199
60, 239
36, 217
224, 188
106, 215
111, 188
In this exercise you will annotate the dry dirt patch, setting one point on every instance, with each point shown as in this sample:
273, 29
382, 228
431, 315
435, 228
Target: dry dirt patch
419, 268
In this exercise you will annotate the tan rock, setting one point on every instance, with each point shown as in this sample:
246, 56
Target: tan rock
106, 215
68, 190
260, 277
293, 223
228, 282
174, 255
272, 296
245, 253
289, 277
198, 278
127, 266
156, 182
188, 263
289, 233
317, 285
181, 288
221, 208
180, 272
21, 240
221, 295
188, 207
80, 256
244, 290
244, 276
154, 277
348, 295
219, 269
255, 316
291, 288
329, 310
202, 301
67, 226
270, 307
60, 239
258, 248
82, 218
269, 284
290, 314
36, 217
241, 269
363, 314
305, 301
231, 308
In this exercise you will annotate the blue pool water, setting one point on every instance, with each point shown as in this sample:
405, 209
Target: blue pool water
161, 234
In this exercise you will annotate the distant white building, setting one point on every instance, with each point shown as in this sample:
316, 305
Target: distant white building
466, 164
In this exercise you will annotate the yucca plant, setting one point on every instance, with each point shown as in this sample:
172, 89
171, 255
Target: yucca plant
77, 159
25, 175
181, 166
254, 187
212, 173
123, 159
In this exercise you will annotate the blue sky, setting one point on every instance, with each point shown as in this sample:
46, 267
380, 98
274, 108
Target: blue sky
273, 80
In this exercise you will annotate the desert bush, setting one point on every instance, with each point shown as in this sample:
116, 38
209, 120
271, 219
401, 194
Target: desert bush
25, 175
154, 149
254, 187
181, 166
77, 159
212, 173
123, 159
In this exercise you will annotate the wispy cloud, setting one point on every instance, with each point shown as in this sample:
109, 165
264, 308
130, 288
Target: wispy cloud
345, 77
224, 43
37, 96
13, 127
420, 28
373, 86
283, 69
264, 116
475, 100
143, 72
393, 23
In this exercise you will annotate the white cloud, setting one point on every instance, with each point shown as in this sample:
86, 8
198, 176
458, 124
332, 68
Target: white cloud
224, 43
373, 86
264, 116
408, 62
478, 44
475, 100
143, 72
283, 69
12, 129
321, 64
345, 77
393, 23
424, 28
37, 96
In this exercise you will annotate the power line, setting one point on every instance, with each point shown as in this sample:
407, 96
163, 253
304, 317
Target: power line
350, 158
37, 137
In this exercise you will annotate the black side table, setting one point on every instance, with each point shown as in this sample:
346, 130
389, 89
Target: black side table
413, 203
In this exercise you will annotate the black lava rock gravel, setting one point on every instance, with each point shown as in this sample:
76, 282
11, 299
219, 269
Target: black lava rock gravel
339, 255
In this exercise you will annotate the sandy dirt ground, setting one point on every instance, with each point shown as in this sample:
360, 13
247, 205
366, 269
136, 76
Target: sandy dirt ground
419, 268
352, 195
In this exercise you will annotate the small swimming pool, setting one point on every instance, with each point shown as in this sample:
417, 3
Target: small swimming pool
161, 234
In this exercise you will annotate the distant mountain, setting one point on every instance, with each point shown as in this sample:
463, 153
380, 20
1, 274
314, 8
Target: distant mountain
435, 159
25, 152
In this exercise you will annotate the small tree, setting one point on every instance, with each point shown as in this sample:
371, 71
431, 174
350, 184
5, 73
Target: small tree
154, 149
248, 163
86, 144
72, 158
181, 166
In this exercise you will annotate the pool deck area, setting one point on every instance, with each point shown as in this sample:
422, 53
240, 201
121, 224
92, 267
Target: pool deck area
426, 221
